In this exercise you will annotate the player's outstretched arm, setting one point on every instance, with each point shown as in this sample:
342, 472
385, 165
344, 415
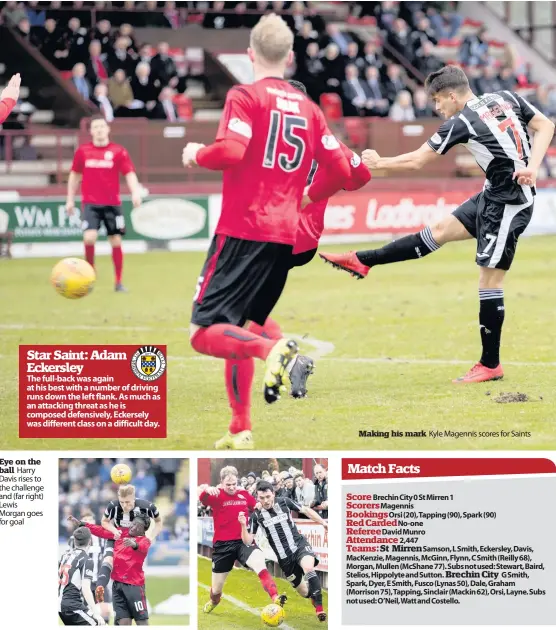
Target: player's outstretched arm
544, 132
158, 524
107, 524
406, 162
245, 535
310, 513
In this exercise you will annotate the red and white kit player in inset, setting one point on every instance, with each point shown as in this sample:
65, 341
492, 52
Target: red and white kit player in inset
98, 165
269, 135
9, 96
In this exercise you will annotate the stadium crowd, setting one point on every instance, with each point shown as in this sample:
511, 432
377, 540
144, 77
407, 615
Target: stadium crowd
85, 485
381, 76
290, 483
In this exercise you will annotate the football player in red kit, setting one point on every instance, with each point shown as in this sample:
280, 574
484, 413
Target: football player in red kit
268, 137
98, 165
9, 96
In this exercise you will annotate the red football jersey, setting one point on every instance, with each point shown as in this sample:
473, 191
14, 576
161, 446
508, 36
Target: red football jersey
283, 131
311, 221
101, 168
128, 562
225, 511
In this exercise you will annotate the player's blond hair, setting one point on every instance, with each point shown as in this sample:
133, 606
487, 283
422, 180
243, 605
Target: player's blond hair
271, 39
126, 491
228, 471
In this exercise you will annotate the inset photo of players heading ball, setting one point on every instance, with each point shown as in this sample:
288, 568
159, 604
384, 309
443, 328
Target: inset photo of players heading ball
262, 543
123, 542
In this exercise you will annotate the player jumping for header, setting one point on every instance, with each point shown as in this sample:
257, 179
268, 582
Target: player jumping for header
493, 127
268, 136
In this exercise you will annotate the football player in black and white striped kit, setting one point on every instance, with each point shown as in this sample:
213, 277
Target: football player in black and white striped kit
494, 128
293, 551
76, 604
96, 554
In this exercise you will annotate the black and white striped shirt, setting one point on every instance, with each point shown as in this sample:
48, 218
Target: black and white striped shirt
277, 523
115, 513
74, 567
96, 553
493, 127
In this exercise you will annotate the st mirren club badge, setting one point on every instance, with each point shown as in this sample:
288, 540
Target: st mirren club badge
148, 363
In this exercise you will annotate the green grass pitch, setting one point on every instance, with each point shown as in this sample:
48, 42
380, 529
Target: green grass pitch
244, 586
423, 311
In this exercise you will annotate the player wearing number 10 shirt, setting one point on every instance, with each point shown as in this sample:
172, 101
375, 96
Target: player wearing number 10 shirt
268, 137
493, 127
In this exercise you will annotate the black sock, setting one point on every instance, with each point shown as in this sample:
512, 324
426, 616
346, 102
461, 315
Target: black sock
315, 591
491, 318
104, 575
405, 248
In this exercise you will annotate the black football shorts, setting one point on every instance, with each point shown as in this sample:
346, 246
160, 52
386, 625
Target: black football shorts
111, 216
241, 281
300, 260
129, 602
226, 552
290, 566
81, 617
497, 228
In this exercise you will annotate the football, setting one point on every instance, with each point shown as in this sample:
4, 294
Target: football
121, 473
272, 615
73, 278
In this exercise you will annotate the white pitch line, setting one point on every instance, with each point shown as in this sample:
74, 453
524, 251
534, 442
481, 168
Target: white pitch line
243, 606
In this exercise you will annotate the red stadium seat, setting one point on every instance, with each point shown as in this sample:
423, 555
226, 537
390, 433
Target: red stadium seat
368, 20
65, 74
331, 105
356, 130
184, 105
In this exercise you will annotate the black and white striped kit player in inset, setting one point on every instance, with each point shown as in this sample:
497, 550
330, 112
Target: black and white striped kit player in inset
293, 551
76, 604
494, 128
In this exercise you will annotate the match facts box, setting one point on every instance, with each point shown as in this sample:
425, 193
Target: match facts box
86, 391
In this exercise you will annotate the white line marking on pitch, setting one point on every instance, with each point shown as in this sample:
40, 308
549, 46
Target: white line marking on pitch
243, 606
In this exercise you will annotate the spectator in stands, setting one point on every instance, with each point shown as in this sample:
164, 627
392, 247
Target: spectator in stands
101, 100
153, 17
372, 55
425, 61
507, 79
119, 57
102, 33
377, 103
421, 104
23, 28
144, 54
216, 19
303, 38
120, 94
353, 93
320, 503
14, 12
126, 30
423, 33
387, 13
297, 19
394, 81
97, 70
304, 491
489, 82
402, 109
278, 486
447, 22
165, 108
172, 15
399, 39
163, 66
474, 49
334, 69
80, 82
353, 57
145, 88
50, 43
312, 14
311, 72
333, 35
77, 42
289, 485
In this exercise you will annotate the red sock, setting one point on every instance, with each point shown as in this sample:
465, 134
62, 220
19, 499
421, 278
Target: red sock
268, 583
239, 381
319, 609
118, 259
225, 341
90, 253
270, 330
215, 599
